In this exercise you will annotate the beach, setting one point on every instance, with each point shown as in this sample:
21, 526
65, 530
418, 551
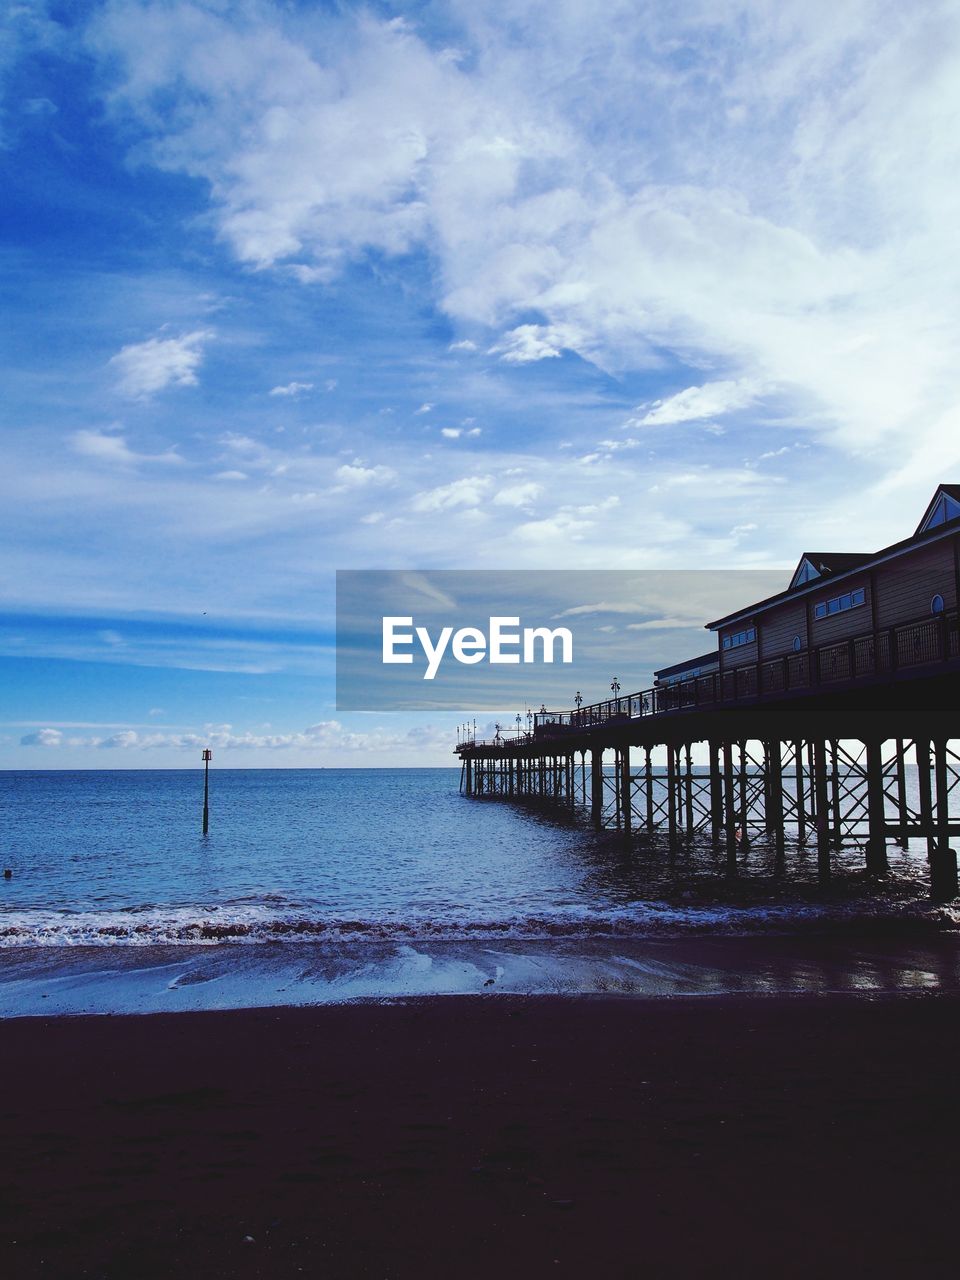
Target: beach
475, 1136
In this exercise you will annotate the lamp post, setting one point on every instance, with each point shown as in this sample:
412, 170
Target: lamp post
615, 686
207, 757
519, 723
529, 722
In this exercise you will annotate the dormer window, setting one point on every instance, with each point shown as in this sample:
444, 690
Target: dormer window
944, 509
806, 572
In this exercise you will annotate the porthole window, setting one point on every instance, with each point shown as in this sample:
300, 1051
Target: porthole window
936, 604
797, 644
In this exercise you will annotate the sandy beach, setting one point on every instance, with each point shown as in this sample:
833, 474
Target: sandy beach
485, 1136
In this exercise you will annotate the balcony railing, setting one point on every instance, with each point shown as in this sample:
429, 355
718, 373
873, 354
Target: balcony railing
926, 641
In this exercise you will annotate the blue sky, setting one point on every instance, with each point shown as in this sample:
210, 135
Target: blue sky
291, 288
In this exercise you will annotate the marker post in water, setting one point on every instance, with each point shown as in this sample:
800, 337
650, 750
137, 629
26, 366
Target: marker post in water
207, 757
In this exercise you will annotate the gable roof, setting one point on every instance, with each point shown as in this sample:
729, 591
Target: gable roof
928, 531
822, 564
943, 507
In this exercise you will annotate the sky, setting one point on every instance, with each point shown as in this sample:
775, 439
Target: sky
292, 288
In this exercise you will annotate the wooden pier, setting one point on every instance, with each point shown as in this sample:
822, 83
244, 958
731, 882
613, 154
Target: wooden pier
808, 721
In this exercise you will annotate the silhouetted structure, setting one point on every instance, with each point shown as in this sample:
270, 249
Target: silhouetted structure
809, 707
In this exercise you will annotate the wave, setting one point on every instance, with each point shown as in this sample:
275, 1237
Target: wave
265, 924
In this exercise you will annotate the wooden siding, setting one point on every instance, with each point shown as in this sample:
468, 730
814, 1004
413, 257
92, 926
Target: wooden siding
779, 626
841, 626
743, 653
906, 586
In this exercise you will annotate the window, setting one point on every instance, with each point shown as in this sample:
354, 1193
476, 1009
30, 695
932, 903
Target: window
797, 644
944, 510
936, 604
690, 674
739, 638
839, 604
806, 572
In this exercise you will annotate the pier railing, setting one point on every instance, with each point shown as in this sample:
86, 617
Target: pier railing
929, 640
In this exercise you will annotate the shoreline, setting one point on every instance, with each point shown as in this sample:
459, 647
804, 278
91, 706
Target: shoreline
457, 1136
159, 979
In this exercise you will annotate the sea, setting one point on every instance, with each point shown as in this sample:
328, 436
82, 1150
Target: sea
327, 885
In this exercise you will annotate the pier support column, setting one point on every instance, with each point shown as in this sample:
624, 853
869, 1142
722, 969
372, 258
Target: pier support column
730, 810
469, 776
801, 792
876, 808
943, 864
716, 792
775, 801
835, 819
671, 794
596, 786
648, 786
767, 801
742, 797
688, 784
902, 815
820, 808
924, 768
626, 788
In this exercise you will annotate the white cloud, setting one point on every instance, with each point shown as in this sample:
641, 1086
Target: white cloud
464, 345
528, 343
707, 401
292, 389
797, 236
144, 368
43, 738
665, 624
324, 735
470, 491
518, 495
451, 433
113, 448
356, 475
424, 408
565, 525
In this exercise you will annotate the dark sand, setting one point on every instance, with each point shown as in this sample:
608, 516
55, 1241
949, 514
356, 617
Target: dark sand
484, 1137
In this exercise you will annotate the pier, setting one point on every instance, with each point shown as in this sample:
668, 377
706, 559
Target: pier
809, 711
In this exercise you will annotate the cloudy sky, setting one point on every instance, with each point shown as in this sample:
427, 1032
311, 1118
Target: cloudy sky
298, 287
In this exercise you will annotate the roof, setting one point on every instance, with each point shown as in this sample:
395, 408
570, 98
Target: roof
951, 507
836, 561
704, 660
823, 564
855, 560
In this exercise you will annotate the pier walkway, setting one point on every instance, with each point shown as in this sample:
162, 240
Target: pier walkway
814, 744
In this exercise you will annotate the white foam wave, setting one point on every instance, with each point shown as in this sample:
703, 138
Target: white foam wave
261, 924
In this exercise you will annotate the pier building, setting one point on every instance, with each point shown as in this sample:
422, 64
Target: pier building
810, 707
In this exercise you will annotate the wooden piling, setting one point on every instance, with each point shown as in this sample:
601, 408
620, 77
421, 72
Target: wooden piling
821, 813
943, 864
876, 808
730, 821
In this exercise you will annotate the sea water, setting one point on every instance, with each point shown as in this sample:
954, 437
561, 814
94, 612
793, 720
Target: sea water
319, 885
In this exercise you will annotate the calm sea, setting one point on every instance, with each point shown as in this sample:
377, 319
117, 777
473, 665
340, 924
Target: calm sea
334, 884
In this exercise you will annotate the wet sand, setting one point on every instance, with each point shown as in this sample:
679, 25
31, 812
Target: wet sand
485, 1136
